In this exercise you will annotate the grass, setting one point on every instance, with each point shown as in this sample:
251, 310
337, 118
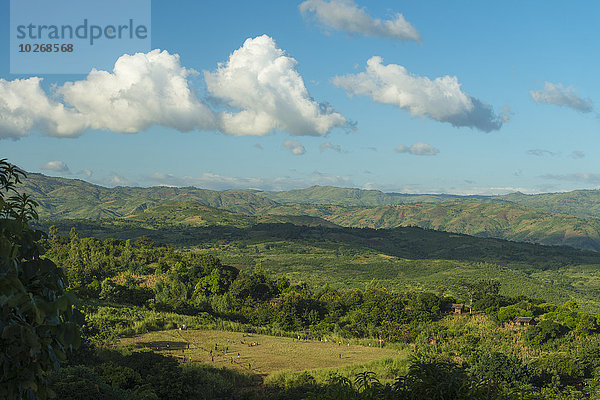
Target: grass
261, 354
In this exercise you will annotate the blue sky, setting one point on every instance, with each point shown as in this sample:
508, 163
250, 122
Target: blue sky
455, 97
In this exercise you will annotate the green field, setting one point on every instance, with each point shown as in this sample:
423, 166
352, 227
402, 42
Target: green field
259, 354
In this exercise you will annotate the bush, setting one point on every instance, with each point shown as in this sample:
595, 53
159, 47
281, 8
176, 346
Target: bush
546, 330
501, 368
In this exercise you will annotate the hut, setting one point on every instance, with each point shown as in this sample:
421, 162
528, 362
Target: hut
457, 308
524, 321
274, 301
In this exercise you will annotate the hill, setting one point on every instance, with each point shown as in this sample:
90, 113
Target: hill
330, 195
480, 218
74, 198
401, 258
579, 203
193, 213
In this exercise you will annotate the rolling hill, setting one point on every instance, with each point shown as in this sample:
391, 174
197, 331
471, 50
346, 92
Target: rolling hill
330, 195
499, 217
74, 198
579, 203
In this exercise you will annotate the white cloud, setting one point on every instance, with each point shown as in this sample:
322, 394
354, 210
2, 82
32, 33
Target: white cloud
24, 107
540, 152
295, 147
418, 149
147, 89
329, 145
56, 166
345, 15
440, 99
141, 91
560, 95
262, 81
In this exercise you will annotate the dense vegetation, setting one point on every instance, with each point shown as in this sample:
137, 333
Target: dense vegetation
300, 277
37, 323
469, 357
401, 258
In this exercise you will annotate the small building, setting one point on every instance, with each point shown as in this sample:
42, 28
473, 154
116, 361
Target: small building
457, 308
524, 321
274, 301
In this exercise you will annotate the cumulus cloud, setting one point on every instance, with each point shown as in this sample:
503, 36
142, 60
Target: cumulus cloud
345, 15
577, 154
585, 177
418, 149
440, 99
262, 82
540, 152
331, 146
56, 166
560, 95
141, 91
295, 147
24, 106
259, 86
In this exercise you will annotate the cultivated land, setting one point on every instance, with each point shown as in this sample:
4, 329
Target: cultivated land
259, 354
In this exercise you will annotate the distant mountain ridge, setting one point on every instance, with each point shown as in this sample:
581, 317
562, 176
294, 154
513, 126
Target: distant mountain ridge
579, 203
74, 198
515, 216
331, 195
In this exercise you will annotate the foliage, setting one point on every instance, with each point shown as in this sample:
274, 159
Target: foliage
501, 368
544, 331
36, 316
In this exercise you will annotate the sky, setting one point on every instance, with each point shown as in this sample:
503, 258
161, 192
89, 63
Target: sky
454, 97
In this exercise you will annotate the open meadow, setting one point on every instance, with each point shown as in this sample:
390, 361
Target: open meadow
259, 354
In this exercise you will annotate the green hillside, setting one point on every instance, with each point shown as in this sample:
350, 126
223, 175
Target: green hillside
352, 197
70, 198
192, 213
484, 218
74, 198
480, 218
401, 258
579, 203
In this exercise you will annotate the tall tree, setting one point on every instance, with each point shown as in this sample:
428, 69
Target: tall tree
36, 313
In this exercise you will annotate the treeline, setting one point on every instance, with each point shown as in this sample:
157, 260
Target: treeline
161, 278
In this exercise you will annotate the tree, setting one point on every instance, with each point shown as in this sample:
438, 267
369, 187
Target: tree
500, 367
36, 313
539, 334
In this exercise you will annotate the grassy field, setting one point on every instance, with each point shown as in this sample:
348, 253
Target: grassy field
259, 354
